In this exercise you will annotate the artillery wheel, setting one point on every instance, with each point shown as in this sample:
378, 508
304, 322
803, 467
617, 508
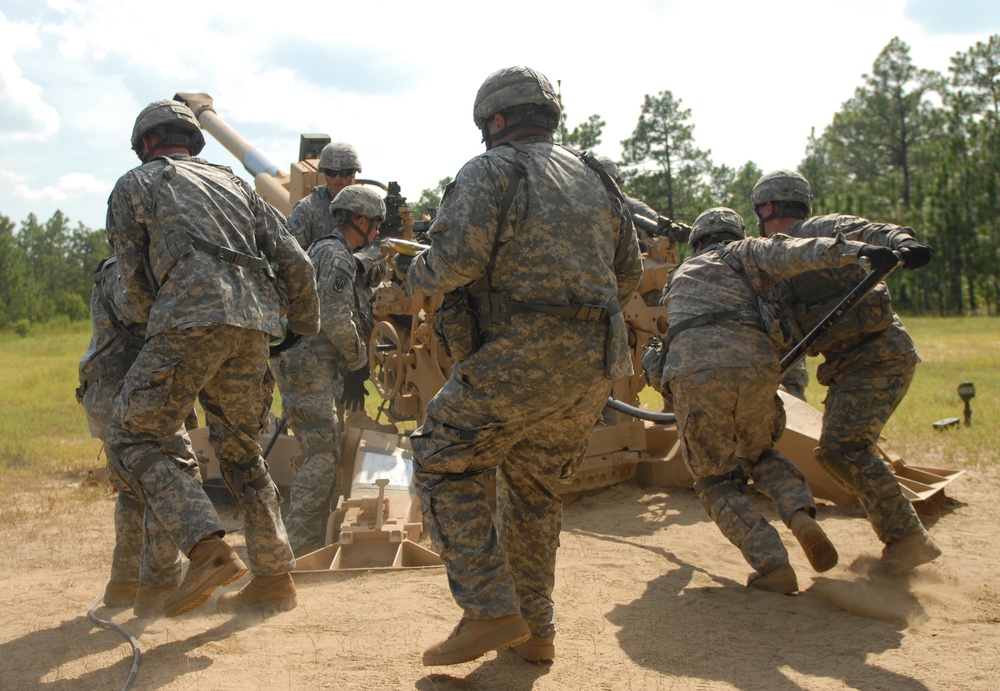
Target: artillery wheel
385, 358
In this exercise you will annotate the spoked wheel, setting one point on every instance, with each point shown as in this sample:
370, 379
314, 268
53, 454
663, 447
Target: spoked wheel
385, 358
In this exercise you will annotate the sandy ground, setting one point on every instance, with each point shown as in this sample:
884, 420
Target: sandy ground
649, 595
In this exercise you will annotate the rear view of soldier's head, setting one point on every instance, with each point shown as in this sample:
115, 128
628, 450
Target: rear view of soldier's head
166, 124
781, 194
515, 102
716, 225
359, 211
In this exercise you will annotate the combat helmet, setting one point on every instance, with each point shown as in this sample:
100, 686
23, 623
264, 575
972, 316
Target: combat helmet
720, 221
611, 168
781, 187
517, 88
161, 114
359, 199
339, 156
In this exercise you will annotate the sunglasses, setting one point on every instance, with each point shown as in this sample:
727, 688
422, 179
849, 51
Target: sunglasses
346, 173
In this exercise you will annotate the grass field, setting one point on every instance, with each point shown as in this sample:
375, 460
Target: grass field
43, 430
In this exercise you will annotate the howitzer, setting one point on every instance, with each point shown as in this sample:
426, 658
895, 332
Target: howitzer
849, 302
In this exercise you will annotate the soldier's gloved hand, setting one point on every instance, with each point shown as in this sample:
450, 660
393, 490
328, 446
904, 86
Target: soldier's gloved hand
915, 254
877, 257
402, 263
354, 388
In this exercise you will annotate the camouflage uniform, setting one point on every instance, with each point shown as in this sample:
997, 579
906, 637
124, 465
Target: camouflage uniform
722, 370
197, 248
143, 551
306, 375
310, 219
520, 408
867, 373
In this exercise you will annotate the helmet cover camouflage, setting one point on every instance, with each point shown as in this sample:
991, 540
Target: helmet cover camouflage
782, 186
361, 200
717, 221
510, 87
339, 156
611, 168
167, 112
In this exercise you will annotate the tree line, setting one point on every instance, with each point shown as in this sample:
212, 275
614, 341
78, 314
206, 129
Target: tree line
912, 146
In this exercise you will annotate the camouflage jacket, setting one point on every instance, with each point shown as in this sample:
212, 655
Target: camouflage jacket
181, 252
565, 241
340, 333
311, 219
115, 342
706, 284
844, 343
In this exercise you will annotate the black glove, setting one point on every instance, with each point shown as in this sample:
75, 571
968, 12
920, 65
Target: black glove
354, 388
878, 258
284, 344
915, 254
402, 263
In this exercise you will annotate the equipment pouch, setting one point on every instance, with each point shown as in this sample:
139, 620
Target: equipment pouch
456, 325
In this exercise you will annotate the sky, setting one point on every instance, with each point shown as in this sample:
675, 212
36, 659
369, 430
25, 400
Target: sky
398, 79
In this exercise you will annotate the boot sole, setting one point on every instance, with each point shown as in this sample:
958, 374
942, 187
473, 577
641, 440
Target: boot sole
505, 637
819, 550
232, 571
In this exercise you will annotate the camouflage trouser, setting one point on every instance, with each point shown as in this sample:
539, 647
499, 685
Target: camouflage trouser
728, 419
226, 368
307, 390
526, 438
857, 406
142, 545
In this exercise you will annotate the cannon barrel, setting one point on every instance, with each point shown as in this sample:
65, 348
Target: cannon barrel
272, 184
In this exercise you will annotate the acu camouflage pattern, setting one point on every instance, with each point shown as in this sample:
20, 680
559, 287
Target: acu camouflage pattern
311, 219
307, 376
705, 284
143, 551
207, 339
519, 409
226, 369
173, 285
867, 377
723, 377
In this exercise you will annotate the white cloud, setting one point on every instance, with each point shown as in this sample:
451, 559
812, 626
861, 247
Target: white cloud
25, 113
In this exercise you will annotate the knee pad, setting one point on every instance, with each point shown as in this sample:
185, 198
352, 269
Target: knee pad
246, 478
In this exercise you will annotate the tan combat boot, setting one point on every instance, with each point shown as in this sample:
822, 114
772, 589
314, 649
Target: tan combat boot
120, 593
149, 601
817, 546
909, 552
781, 580
475, 637
213, 563
537, 649
262, 594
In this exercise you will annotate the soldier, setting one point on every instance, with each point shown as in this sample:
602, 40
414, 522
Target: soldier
869, 360
202, 258
542, 245
310, 219
721, 368
145, 563
306, 372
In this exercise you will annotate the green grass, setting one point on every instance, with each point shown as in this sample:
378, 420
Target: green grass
43, 431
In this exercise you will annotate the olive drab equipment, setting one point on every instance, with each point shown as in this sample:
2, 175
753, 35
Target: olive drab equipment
161, 114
